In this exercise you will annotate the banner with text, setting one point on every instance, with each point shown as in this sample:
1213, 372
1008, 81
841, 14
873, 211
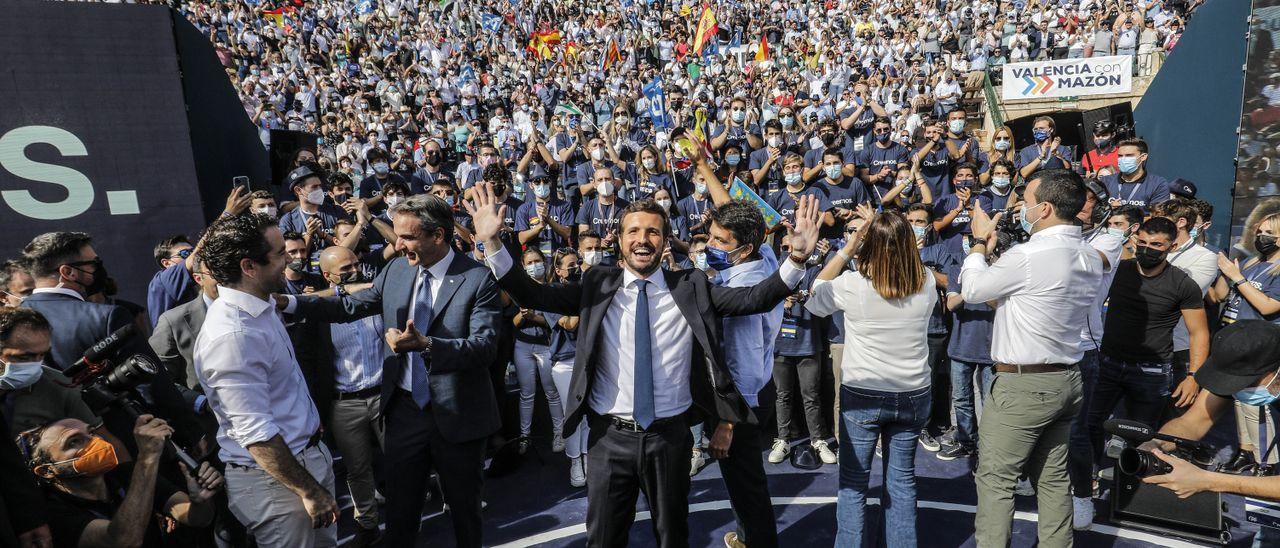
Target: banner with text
1068, 78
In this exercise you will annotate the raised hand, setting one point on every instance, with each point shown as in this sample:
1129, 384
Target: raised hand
804, 238
487, 214
238, 201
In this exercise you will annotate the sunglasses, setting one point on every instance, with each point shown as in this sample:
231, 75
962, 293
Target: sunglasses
182, 254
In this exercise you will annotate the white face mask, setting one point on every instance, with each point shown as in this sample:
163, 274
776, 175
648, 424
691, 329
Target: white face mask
649, 163
393, 201
775, 141
597, 154
605, 188
666, 204
267, 210
315, 197
592, 258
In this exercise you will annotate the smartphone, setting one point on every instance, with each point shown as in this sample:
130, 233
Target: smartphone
241, 181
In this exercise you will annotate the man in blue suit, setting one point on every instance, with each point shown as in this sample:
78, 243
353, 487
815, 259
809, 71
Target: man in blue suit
441, 308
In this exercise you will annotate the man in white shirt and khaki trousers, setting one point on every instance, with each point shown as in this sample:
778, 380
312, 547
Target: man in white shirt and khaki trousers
279, 475
1043, 290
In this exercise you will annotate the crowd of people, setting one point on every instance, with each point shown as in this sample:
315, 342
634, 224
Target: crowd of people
676, 243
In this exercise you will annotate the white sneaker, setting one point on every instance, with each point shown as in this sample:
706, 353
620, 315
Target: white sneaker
557, 443
577, 472
1024, 488
824, 452
1082, 513
779, 452
697, 462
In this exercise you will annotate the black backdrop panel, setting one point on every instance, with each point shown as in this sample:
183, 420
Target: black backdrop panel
93, 135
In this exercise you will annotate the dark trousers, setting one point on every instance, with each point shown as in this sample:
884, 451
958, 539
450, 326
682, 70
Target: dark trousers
940, 379
748, 487
788, 372
1080, 458
621, 465
414, 446
1144, 387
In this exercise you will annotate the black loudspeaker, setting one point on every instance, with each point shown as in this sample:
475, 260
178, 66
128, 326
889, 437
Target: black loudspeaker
285, 145
1121, 114
1153, 508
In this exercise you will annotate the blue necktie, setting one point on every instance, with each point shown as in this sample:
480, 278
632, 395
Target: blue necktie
643, 413
417, 370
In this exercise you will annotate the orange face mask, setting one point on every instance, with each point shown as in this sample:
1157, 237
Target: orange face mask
97, 458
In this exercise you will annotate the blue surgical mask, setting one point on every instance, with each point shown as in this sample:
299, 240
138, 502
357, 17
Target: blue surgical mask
1127, 164
19, 375
792, 179
732, 159
1028, 226
718, 258
1000, 182
1194, 233
1040, 135
920, 231
542, 191
700, 188
832, 172
700, 261
956, 126
536, 270
1001, 144
1257, 395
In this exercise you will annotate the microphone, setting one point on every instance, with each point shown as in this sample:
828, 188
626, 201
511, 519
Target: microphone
1140, 433
101, 350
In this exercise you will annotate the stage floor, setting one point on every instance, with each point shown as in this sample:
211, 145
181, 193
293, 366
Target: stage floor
535, 506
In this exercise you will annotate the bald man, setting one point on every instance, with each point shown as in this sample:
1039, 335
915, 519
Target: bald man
358, 352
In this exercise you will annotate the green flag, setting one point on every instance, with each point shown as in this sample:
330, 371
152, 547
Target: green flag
566, 108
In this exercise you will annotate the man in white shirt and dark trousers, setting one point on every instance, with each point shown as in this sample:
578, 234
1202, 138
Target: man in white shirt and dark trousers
279, 475
355, 417
641, 388
1043, 289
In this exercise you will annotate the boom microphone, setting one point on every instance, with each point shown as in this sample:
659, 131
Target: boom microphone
101, 350
1137, 432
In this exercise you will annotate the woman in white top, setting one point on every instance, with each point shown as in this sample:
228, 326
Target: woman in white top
884, 392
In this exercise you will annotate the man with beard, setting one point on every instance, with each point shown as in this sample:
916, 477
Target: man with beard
650, 361
279, 474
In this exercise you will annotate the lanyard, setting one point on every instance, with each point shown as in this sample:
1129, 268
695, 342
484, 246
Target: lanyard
1135, 190
1263, 412
600, 212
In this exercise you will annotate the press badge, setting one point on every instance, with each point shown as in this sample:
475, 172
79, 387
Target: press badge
789, 328
1262, 512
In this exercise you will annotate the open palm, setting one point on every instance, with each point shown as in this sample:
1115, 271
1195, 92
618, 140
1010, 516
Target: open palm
487, 213
804, 235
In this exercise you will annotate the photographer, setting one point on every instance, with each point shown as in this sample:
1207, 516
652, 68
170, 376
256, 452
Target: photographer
33, 393
1243, 367
85, 481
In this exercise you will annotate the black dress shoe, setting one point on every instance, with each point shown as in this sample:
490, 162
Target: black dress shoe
1242, 462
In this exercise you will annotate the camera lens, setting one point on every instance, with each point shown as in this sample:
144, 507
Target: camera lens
1139, 463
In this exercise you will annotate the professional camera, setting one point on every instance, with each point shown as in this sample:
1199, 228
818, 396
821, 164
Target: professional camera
105, 378
1009, 232
1141, 463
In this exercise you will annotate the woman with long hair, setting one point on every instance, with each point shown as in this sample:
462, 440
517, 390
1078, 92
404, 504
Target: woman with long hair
884, 385
651, 175
533, 359
564, 338
1001, 147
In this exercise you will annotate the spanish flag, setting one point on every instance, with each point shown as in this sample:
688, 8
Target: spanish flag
611, 55
707, 30
275, 16
762, 53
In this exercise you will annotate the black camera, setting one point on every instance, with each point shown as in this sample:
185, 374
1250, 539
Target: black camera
1009, 232
1142, 463
105, 377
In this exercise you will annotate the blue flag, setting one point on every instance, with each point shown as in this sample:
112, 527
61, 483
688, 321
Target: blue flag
364, 6
657, 99
468, 74
626, 3
491, 22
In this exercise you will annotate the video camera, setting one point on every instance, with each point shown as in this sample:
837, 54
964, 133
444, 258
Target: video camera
1009, 232
1141, 463
108, 378
1140, 505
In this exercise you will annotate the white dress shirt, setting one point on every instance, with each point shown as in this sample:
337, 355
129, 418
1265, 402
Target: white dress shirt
1044, 288
58, 290
1110, 246
245, 363
886, 341
671, 341
438, 272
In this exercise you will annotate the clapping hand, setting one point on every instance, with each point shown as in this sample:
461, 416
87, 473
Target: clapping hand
1229, 268
487, 214
804, 237
983, 225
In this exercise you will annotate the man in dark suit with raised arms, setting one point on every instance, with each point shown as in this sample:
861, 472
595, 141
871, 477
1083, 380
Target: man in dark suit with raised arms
640, 389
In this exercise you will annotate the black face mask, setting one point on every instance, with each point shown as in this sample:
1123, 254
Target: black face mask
1148, 258
433, 159
354, 277
1266, 245
828, 139
99, 283
574, 275
298, 265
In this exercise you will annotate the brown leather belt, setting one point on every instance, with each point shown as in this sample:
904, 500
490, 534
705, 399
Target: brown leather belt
1032, 368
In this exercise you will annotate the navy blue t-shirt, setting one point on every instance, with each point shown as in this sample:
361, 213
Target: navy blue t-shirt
547, 240
991, 201
644, 188
971, 326
695, 212
874, 158
938, 257
936, 170
564, 343
799, 335
602, 219
1238, 308
1029, 153
1151, 189
532, 333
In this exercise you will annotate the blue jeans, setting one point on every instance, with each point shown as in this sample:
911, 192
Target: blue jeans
962, 397
1144, 387
894, 418
1080, 458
